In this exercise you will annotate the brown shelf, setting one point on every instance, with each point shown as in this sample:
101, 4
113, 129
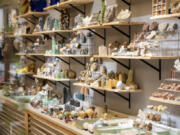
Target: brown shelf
22, 35
50, 55
67, 4
14, 72
97, 26
54, 31
108, 25
138, 57
52, 79
107, 89
30, 54
33, 14
58, 55
98, 56
123, 23
168, 16
165, 101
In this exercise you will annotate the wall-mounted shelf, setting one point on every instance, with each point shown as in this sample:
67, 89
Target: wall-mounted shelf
168, 16
59, 55
173, 102
53, 79
51, 55
22, 35
139, 57
68, 4
98, 26
29, 54
54, 31
33, 14
109, 25
115, 91
107, 89
19, 73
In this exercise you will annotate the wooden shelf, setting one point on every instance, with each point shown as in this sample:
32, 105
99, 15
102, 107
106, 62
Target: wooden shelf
169, 16
58, 55
108, 25
123, 23
98, 26
19, 73
29, 54
22, 35
52, 79
170, 90
33, 14
107, 89
67, 4
165, 101
139, 57
54, 31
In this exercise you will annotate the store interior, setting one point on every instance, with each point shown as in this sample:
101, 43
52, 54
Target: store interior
89, 67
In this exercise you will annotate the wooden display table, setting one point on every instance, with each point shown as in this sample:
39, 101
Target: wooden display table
36, 123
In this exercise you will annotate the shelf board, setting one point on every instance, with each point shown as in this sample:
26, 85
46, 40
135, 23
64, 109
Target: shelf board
29, 54
168, 16
19, 73
164, 101
170, 90
172, 80
123, 23
66, 4
52, 79
33, 14
107, 89
54, 31
58, 55
139, 57
108, 25
22, 35
97, 26
9, 36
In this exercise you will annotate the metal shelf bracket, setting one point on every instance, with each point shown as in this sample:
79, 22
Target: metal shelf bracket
159, 69
30, 21
81, 63
39, 59
97, 34
125, 66
101, 93
126, 2
79, 10
63, 60
122, 32
60, 35
125, 98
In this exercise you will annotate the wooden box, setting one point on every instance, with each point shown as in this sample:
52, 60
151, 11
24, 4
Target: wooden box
160, 7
